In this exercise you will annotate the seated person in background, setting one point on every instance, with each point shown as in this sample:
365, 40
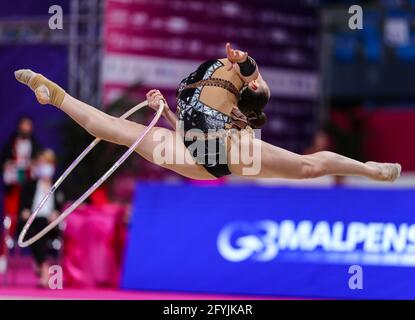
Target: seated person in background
15, 160
33, 192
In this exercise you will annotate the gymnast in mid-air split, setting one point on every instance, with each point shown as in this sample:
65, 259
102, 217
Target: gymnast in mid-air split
227, 96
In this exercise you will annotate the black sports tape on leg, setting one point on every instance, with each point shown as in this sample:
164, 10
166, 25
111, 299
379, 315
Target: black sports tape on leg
247, 67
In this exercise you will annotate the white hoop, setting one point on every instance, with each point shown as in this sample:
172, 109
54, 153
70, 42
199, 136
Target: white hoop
87, 193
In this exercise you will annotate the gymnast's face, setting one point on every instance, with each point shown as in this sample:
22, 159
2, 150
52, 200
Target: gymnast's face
259, 85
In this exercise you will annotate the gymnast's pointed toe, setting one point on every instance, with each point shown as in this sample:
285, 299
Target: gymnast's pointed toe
24, 75
46, 91
397, 170
385, 171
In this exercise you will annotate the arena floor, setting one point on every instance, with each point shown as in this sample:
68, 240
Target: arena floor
20, 284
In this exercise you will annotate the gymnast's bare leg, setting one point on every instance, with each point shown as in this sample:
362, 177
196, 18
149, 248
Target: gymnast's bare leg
280, 163
274, 162
109, 128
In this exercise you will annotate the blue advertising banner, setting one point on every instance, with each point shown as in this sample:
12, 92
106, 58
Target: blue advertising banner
325, 242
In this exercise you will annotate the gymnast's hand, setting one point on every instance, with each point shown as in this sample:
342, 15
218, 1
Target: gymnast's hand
153, 98
235, 56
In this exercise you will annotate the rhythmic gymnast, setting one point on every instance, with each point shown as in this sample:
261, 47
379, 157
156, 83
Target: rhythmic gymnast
226, 96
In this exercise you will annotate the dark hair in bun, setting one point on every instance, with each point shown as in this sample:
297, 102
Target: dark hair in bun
252, 104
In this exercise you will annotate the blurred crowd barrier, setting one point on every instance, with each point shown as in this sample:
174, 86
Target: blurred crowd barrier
93, 246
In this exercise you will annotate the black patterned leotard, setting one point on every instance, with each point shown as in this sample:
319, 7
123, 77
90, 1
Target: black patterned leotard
194, 114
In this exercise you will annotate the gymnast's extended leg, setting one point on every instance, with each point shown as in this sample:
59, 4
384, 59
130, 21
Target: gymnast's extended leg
109, 128
279, 163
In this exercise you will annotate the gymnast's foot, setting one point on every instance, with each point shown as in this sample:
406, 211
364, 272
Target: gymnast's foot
46, 91
385, 171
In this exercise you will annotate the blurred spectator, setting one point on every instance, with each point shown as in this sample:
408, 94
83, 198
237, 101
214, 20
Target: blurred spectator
320, 142
15, 163
32, 193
